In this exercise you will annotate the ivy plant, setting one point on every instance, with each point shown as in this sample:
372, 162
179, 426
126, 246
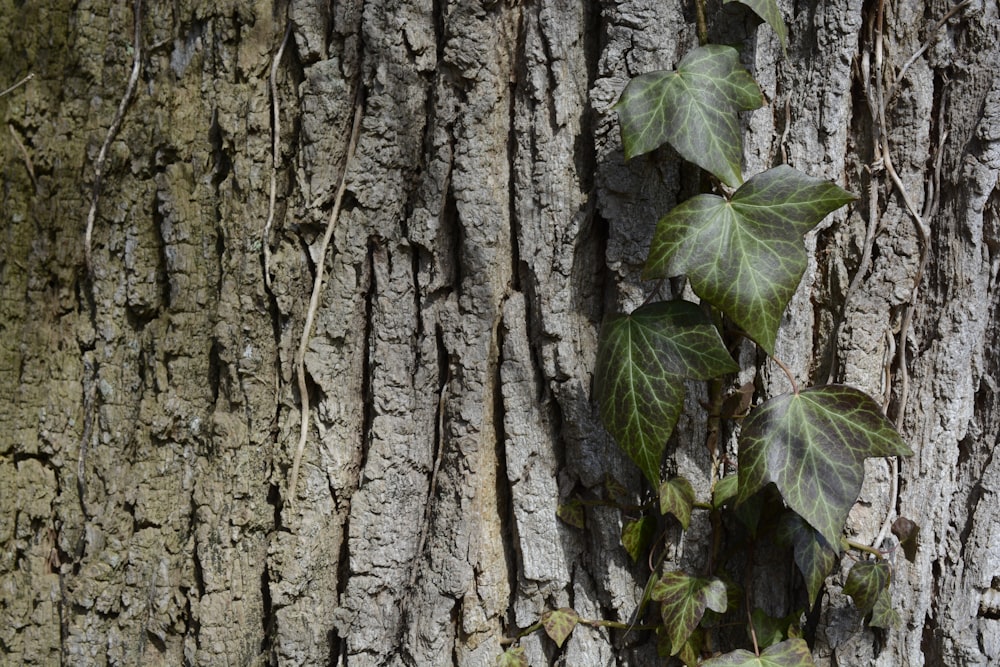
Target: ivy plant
800, 460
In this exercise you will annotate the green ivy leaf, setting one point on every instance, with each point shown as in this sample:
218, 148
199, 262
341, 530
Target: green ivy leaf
694, 108
636, 536
812, 445
813, 555
866, 582
559, 624
883, 614
513, 657
617, 493
642, 360
572, 513
690, 653
745, 255
790, 653
677, 498
771, 630
683, 600
769, 12
725, 490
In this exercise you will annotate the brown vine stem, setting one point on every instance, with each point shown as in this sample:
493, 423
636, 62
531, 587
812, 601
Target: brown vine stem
922, 228
788, 374
314, 300
116, 124
275, 154
926, 45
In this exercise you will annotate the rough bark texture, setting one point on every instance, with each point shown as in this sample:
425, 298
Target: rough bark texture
150, 409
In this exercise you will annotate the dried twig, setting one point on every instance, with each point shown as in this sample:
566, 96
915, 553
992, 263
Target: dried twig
18, 84
314, 301
113, 130
275, 154
24, 155
926, 45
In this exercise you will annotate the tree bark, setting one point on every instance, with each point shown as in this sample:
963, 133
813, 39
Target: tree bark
151, 408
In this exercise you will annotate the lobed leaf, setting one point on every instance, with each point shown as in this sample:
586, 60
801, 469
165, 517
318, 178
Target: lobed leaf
883, 614
812, 445
770, 630
642, 361
694, 109
683, 600
559, 623
866, 581
677, 498
789, 653
745, 256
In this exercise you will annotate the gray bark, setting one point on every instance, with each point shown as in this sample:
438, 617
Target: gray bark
490, 223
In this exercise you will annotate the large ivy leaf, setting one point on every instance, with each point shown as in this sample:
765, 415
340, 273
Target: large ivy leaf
769, 12
683, 600
790, 653
642, 360
745, 255
812, 445
813, 555
694, 108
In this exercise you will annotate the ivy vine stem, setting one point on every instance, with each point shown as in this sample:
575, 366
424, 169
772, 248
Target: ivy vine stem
699, 8
788, 374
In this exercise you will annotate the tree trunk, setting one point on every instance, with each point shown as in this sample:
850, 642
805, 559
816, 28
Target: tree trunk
151, 402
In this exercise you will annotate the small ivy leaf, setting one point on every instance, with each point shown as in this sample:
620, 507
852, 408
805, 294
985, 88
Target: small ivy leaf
745, 256
865, 583
768, 11
690, 653
770, 630
907, 532
642, 360
683, 600
572, 513
636, 536
694, 109
883, 614
813, 555
812, 445
725, 490
677, 498
789, 653
513, 657
616, 492
559, 624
